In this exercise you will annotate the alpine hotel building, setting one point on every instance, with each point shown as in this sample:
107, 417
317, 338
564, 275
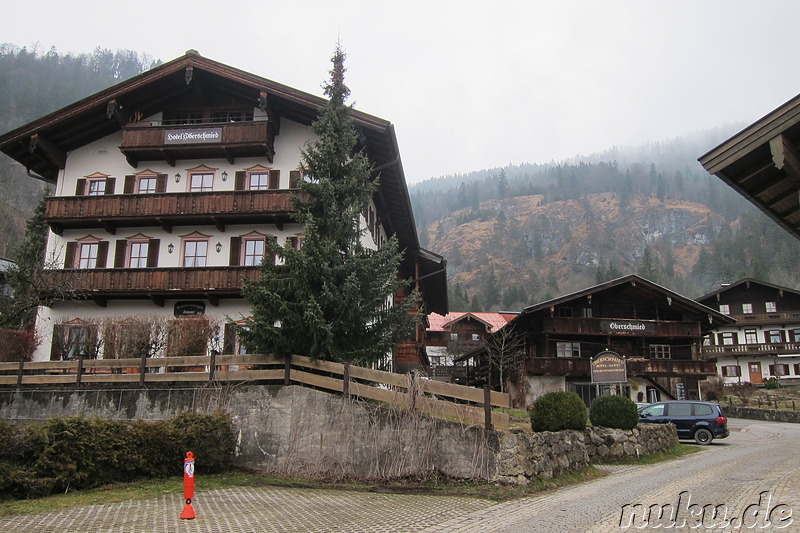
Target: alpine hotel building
166, 187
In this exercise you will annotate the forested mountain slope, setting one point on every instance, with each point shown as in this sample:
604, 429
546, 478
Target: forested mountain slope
32, 84
523, 234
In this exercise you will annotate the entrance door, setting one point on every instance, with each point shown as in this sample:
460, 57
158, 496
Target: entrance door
755, 372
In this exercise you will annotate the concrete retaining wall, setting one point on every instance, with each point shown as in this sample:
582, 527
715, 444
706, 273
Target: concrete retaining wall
298, 431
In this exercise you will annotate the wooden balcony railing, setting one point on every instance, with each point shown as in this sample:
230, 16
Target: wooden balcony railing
145, 142
169, 209
790, 317
156, 283
778, 348
593, 326
580, 367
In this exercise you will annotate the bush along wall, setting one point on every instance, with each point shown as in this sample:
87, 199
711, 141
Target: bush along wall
76, 453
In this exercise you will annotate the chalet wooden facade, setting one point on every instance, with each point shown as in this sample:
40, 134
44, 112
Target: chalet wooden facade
656, 331
166, 188
764, 342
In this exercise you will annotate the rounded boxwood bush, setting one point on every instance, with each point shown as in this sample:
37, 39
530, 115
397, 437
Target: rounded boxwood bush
559, 410
616, 412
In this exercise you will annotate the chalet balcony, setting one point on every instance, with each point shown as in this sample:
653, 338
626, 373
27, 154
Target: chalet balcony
212, 283
756, 319
228, 140
169, 209
778, 348
600, 326
580, 367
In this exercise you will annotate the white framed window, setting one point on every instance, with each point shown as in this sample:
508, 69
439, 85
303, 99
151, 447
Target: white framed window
253, 250
194, 250
146, 185
775, 336
258, 182
201, 182
87, 254
96, 187
728, 338
771, 307
731, 371
138, 254
747, 309
750, 336
725, 309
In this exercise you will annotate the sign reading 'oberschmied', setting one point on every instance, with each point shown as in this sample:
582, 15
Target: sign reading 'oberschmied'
608, 367
627, 326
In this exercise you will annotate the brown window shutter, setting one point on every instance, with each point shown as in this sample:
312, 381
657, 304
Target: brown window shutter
274, 179
294, 178
120, 251
111, 184
130, 184
102, 254
80, 188
58, 342
229, 342
161, 183
69, 255
153, 247
239, 180
236, 247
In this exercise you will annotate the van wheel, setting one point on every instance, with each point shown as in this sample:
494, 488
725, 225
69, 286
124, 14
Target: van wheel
703, 436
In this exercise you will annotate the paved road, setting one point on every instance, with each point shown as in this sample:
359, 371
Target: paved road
760, 460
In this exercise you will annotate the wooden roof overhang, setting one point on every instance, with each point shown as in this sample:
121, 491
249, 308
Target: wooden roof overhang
42, 146
762, 163
630, 287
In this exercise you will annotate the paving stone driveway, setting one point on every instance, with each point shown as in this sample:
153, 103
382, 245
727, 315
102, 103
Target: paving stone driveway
758, 457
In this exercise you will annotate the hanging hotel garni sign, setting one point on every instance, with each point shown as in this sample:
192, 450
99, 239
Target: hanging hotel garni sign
609, 367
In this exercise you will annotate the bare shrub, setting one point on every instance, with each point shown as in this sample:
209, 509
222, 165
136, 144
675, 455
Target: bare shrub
713, 388
743, 390
16, 344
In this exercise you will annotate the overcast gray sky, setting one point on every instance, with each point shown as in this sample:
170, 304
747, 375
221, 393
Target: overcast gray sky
472, 85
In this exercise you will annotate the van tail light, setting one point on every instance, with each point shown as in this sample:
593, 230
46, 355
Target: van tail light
721, 420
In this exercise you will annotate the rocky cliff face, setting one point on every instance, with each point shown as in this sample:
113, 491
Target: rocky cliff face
558, 247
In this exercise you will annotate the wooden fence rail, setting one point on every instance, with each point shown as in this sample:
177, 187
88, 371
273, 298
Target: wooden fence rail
410, 391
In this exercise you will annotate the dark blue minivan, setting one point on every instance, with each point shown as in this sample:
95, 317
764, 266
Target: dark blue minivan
701, 421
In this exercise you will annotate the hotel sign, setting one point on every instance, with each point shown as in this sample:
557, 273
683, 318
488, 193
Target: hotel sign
193, 136
628, 326
608, 367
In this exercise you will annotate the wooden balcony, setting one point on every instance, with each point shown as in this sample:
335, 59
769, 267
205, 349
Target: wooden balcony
169, 209
778, 348
756, 319
580, 367
211, 283
145, 142
594, 326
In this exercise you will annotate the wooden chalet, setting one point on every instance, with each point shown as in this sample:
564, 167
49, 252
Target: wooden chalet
167, 185
764, 341
657, 332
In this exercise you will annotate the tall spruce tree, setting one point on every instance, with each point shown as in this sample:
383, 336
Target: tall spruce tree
331, 297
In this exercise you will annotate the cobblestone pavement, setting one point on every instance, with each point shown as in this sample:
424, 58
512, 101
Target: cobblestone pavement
759, 458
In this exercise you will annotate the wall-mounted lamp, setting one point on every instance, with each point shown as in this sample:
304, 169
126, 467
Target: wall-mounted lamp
170, 248
177, 177
219, 247
224, 176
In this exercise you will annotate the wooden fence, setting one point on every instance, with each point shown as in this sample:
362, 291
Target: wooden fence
410, 391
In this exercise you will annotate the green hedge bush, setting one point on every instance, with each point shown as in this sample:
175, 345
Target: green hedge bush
555, 411
78, 453
614, 412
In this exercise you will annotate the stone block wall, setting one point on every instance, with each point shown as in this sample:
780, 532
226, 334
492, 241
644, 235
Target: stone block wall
607, 444
754, 413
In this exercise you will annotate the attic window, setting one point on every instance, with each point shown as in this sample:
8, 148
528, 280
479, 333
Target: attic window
183, 117
232, 116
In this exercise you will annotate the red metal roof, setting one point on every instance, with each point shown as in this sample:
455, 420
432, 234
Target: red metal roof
443, 322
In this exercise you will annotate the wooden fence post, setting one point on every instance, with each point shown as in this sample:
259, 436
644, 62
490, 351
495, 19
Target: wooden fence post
213, 366
346, 380
80, 370
287, 370
20, 371
487, 407
142, 369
